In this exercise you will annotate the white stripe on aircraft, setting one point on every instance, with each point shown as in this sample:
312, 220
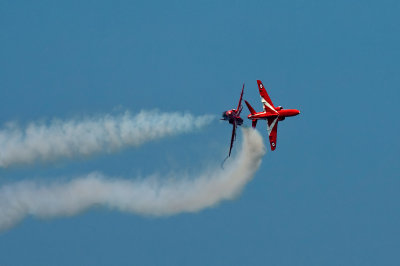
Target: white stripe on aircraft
272, 126
265, 103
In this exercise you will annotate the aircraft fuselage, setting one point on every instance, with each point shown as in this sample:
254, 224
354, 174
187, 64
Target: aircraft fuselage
271, 113
281, 113
232, 116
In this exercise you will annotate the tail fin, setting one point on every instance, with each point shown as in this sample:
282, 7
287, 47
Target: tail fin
254, 121
250, 108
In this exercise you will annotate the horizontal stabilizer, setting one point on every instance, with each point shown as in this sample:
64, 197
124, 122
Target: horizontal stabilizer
252, 111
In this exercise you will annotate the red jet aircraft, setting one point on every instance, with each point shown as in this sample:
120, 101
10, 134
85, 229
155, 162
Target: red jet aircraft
271, 113
233, 116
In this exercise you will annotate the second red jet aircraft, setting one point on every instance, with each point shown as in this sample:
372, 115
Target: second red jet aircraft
233, 116
271, 113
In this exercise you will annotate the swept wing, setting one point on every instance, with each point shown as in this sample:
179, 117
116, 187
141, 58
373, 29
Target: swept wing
239, 108
233, 137
272, 131
266, 101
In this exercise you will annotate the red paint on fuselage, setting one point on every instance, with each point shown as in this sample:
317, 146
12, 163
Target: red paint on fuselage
271, 113
282, 113
232, 116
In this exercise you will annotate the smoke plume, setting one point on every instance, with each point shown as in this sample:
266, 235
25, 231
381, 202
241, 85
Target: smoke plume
149, 196
43, 142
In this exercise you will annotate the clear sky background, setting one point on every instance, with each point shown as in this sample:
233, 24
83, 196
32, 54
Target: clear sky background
328, 195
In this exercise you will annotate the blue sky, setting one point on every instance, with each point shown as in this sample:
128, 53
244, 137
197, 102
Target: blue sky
327, 196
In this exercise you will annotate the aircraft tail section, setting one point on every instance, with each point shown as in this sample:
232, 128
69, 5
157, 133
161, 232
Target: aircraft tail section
252, 111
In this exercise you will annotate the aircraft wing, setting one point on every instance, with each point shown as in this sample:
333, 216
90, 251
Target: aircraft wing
272, 131
266, 101
239, 108
233, 137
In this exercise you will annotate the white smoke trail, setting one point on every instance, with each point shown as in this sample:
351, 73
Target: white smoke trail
149, 196
70, 138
